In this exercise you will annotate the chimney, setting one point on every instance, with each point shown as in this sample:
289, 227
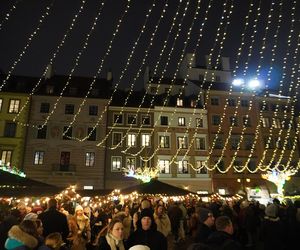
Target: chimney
208, 61
225, 64
109, 75
49, 72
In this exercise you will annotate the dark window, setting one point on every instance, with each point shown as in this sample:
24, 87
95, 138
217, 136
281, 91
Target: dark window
201, 78
216, 120
118, 118
131, 119
64, 161
218, 78
68, 134
164, 120
69, 109
42, 132
246, 121
248, 143
93, 110
231, 102
92, 133
233, 121
146, 119
263, 106
219, 143
244, 103
10, 129
214, 101
273, 107
45, 107
73, 91
220, 166
234, 142
117, 137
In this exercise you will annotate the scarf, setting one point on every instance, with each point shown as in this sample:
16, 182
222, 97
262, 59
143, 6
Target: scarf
114, 243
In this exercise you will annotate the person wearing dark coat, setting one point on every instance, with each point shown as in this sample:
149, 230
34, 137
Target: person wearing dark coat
205, 224
54, 221
220, 239
147, 234
12, 219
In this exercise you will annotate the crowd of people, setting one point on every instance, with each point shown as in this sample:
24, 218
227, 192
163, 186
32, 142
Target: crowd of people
152, 224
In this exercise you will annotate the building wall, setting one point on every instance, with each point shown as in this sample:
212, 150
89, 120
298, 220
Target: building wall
14, 143
50, 171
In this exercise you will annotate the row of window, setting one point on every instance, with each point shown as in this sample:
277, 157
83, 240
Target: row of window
164, 120
233, 121
268, 122
231, 102
131, 119
69, 109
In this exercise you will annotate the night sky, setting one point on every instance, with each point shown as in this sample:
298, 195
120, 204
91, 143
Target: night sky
23, 20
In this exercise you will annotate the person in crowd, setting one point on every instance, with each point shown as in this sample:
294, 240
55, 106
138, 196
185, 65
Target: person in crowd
205, 225
111, 238
272, 231
84, 228
12, 219
162, 220
175, 215
145, 203
146, 233
54, 221
127, 221
222, 237
39, 227
139, 247
22, 236
53, 242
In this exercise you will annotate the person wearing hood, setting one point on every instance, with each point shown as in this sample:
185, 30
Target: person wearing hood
146, 233
22, 237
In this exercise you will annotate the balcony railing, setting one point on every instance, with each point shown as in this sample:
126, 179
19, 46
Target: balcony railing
58, 169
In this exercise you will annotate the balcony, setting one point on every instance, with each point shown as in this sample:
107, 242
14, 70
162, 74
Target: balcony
64, 170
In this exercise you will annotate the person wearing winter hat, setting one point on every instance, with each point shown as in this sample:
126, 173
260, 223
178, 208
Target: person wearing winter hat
139, 247
54, 221
84, 228
206, 221
146, 233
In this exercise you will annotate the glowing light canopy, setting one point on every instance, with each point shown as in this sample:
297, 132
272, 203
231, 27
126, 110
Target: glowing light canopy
144, 174
279, 178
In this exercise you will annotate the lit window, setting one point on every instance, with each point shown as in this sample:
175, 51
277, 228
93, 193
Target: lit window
131, 140
1, 103
116, 138
89, 159
14, 106
277, 123
38, 157
164, 141
6, 156
164, 166
69, 109
116, 162
182, 142
200, 143
201, 167
183, 167
179, 102
145, 140
181, 121
221, 191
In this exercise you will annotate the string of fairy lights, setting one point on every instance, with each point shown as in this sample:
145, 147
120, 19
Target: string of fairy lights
9, 13
76, 64
234, 117
157, 64
50, 63
43, 17
225, 23
101, 116
283, 135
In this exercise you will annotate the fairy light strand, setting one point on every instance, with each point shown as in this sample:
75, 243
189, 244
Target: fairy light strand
9, 13
29, 41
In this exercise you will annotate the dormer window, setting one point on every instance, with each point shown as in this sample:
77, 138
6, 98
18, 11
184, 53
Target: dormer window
49, 89
179, 102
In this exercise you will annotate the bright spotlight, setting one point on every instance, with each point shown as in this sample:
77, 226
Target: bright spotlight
254, 84
238, 82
